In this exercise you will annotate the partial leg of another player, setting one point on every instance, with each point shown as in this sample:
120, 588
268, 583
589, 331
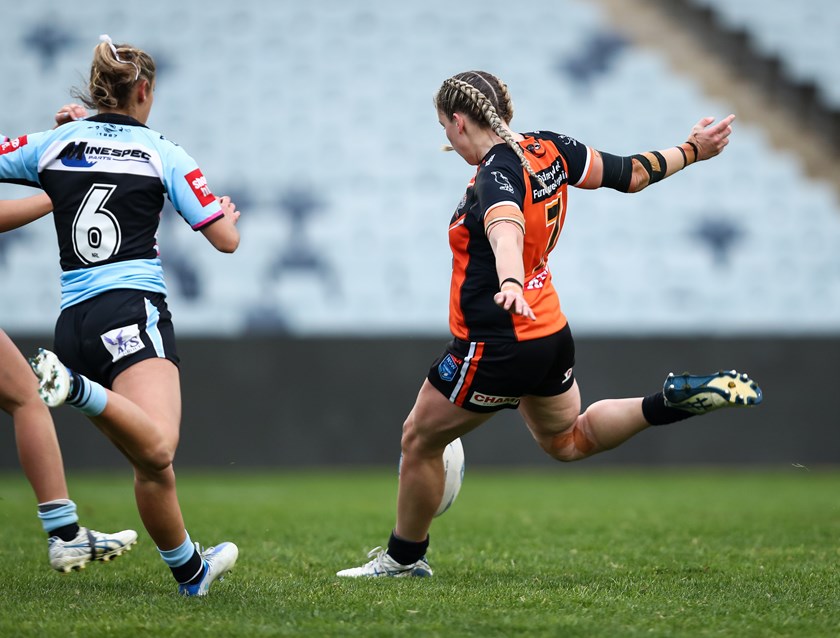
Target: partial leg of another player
70, 546
141, 416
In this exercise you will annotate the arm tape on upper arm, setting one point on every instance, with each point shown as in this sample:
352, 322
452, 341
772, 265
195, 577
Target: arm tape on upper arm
654, 163
504, 213
617, 172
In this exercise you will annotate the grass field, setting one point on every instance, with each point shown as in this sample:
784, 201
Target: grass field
560, 553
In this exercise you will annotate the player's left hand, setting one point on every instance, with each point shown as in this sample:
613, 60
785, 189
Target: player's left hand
514, 302
70, 113
710, 139
229, 208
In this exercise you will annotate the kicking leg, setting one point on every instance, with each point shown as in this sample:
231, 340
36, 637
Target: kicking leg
567, 435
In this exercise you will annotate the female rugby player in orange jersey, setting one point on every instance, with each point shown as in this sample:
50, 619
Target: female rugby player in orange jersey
512, 347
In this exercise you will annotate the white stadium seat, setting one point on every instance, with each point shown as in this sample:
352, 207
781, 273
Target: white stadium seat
335, 99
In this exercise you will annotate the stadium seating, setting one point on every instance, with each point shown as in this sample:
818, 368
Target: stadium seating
802, 35
318, 118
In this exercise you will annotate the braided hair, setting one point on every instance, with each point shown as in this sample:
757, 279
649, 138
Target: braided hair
485, 98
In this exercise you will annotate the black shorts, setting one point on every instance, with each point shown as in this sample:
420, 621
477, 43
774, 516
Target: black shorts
103, 336
490, 376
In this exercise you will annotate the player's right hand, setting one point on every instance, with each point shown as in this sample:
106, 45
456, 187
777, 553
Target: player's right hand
70, 113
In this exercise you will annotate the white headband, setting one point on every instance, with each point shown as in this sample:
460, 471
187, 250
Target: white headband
107, 38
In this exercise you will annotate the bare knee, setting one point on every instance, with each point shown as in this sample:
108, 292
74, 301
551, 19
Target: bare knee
155, 471
155, 459
410, 442
21, 407
416, 442
18, 396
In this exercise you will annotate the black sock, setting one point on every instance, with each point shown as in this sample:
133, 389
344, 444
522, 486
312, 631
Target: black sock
657, 413
190, 572
66, 533
406, 552
77, 388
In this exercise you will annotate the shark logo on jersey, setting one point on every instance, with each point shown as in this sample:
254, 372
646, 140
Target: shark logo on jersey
110, 130
73, 155
502, 181
121, 342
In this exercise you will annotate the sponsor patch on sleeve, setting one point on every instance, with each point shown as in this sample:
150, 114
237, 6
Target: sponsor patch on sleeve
198, 184
12, 145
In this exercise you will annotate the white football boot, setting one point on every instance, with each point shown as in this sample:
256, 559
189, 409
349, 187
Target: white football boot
53, 378
218, 561
89, 545
383, 565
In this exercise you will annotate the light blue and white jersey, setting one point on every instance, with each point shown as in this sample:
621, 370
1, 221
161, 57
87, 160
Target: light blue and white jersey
107, 177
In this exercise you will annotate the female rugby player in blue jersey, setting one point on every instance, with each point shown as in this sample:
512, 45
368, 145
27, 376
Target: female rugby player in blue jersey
107, 176
512, 345
70, 546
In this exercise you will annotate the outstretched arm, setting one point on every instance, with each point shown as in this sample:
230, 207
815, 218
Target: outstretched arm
632, 174
15, 213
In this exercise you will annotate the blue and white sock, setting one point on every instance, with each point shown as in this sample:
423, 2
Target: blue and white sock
87, 396
184, 561
59, 518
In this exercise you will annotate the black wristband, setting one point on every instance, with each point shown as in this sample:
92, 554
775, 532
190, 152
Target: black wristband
514, 280
685, 158
694, 147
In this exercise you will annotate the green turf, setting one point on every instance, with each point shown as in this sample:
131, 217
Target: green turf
556, 553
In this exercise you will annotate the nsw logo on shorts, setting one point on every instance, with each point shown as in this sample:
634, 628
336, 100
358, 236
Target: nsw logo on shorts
447, 368
122, 342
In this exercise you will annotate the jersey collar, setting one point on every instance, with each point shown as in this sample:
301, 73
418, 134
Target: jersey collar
115, 118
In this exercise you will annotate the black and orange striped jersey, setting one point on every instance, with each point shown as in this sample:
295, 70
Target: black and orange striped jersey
501, 180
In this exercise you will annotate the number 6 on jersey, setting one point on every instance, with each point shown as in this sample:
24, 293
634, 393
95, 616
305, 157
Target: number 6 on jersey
96, 233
